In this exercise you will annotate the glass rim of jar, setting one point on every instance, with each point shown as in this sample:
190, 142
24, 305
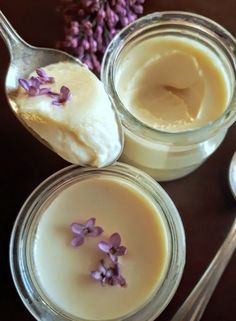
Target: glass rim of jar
37, 302
195, 23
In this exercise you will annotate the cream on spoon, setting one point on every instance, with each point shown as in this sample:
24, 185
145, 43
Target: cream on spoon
86, 131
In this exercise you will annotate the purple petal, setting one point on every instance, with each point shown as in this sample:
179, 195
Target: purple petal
104, 246
77, 228
102, 268
115, 240
33, 91
40, 72
96, 275
116, 269
90, 223
118, 278
65, 93
77, 241
34, 82
24, 84
56, 103
109, 273
43, 77
97, 230
121, 250
53, 94
113, 258
44, 91
63, 97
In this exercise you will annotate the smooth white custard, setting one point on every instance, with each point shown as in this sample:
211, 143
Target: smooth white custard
63, 271
173, 84
175, 88
84, 130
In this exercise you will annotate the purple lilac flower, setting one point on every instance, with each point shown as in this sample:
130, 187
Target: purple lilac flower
43, 77
108, 275
113, 247
62, 97
32, 86
91, 24
82, 230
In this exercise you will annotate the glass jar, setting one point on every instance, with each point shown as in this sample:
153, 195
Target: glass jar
24, 235
167, 155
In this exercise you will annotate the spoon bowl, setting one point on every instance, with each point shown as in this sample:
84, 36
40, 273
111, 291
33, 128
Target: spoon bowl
24, 59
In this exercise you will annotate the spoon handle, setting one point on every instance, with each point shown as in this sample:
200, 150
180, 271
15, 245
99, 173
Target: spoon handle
194, 306
9, 35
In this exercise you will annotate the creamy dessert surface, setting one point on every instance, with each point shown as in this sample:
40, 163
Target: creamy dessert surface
84, 130
173, 84
63, 271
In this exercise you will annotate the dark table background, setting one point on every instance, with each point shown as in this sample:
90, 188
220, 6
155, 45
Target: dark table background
203, 198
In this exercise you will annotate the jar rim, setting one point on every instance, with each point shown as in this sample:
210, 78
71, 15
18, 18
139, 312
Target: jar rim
61, 179
187, 19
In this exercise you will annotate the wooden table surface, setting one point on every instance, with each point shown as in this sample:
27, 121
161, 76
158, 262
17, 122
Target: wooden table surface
203, 198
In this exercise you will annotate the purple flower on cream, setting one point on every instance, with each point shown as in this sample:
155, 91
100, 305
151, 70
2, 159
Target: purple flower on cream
113, 247
82, 230
108, 275
43, 77
32, 87
62, 97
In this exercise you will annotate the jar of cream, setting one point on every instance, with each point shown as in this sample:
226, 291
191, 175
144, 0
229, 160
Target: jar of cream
171, 76
53, 275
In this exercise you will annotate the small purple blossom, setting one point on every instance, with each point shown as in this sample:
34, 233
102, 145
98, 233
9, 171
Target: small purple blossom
108, 275
62, 97
74, 28
80, 231
32, 86
113, 247
43, 77
91, 24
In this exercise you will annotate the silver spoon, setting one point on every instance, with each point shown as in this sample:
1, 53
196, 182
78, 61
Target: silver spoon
194, 306
24, 59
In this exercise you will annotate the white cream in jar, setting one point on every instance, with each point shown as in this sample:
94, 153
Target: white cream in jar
173, 84
53, 276
63, 271
171, 77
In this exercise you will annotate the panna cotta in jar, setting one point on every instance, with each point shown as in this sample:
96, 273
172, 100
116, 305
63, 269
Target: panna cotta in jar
173, 84
65, 261
66, 105
172, 79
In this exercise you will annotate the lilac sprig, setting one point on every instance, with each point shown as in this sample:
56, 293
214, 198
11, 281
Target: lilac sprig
90, 25
108, 275
81, 231
113, 247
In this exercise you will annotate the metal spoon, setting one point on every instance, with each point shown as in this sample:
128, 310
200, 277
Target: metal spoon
24, 59
194, 306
